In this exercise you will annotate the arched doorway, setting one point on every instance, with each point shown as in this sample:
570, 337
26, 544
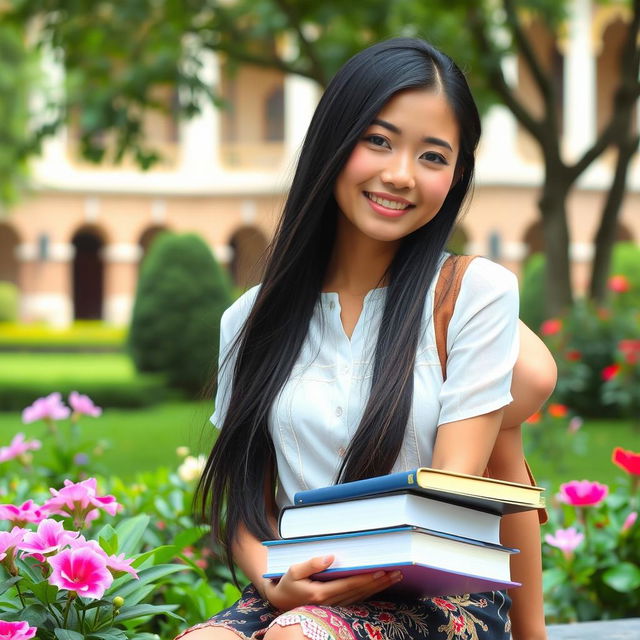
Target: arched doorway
248, 245
9, 267
88, 274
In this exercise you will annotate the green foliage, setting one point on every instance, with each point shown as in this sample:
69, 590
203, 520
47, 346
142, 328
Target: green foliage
585, 343
532, 305
626, 262
8, 302
182, 293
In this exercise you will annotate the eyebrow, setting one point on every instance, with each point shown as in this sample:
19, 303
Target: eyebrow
429, 139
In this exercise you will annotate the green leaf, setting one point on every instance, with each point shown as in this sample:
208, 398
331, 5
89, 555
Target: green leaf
44, 591
141, 610
67, 634
624, 577
108, 539
112, 634
188, 537
152, 574
7, 584
130, 532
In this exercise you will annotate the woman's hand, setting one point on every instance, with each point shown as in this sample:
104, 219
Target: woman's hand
296, 588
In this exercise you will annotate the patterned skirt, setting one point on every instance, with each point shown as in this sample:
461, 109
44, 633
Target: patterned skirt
481, 616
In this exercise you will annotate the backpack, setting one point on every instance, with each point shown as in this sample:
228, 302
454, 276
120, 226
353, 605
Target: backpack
446, 294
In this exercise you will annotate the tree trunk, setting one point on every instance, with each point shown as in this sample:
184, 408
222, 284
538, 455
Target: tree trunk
553, 209
606, 235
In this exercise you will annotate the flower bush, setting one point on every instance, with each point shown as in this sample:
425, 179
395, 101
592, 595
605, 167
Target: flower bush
597, 352
591, 550
52, 544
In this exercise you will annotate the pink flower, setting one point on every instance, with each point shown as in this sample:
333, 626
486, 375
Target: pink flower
114, 563
18, 447
80, 502
48, 408
565, 539
83, 405
9, 540
551, 327
583, 493
28, 511
575, 424
51, 536
16, 630
81, 570
619, 284
629, 521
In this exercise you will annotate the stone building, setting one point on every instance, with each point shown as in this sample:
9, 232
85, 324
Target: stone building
73, 246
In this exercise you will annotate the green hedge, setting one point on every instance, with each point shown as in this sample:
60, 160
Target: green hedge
140, 392
87, 335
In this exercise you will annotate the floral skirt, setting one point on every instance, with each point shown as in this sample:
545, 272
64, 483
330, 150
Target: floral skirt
481, 616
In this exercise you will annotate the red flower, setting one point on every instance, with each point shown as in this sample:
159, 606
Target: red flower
386, 617
551, 327
610, 372
627, 460
443, 604
373, 632
630, 349
557, 410
534, 419
619, 284
573, 355
458, 624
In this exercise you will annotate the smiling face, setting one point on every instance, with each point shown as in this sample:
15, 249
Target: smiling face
401, 169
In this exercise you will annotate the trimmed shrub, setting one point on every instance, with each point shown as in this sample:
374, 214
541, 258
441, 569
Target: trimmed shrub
8, 302
532, 298
175, 328
626, 262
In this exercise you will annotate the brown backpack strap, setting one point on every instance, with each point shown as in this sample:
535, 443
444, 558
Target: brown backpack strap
446, 294
447, 290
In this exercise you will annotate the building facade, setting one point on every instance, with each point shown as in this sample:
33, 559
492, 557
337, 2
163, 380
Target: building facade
74, 244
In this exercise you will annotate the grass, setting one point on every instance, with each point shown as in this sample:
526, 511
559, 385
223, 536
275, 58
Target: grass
82, 334
140, 440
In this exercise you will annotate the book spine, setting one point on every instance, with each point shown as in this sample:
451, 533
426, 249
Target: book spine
369, 486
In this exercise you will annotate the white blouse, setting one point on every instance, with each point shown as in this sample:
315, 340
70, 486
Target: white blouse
320, 406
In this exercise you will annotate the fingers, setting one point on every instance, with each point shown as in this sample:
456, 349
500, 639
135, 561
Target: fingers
359, 591
309, 567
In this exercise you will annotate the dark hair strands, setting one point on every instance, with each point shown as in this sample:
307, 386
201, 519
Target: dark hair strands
237, 486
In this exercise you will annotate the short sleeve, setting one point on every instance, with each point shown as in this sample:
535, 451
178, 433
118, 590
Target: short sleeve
482, 343
231, 323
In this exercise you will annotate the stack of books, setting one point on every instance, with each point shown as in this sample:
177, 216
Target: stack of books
441, 529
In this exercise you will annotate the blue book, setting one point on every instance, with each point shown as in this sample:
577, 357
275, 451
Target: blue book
488, 494
432, 563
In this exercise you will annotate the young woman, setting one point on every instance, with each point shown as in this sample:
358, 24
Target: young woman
329, 368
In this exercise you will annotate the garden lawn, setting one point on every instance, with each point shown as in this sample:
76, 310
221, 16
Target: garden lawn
601, 437
138, 440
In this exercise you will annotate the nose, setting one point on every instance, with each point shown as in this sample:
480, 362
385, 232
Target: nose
399, 171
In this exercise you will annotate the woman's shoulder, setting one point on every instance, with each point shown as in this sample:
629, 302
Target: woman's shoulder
235, 315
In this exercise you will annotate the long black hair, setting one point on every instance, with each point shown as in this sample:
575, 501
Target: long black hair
240, 470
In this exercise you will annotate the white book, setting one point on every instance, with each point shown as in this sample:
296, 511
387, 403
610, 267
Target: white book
432, 563
389, 510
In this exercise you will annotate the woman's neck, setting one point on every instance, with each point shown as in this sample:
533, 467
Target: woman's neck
358, 263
